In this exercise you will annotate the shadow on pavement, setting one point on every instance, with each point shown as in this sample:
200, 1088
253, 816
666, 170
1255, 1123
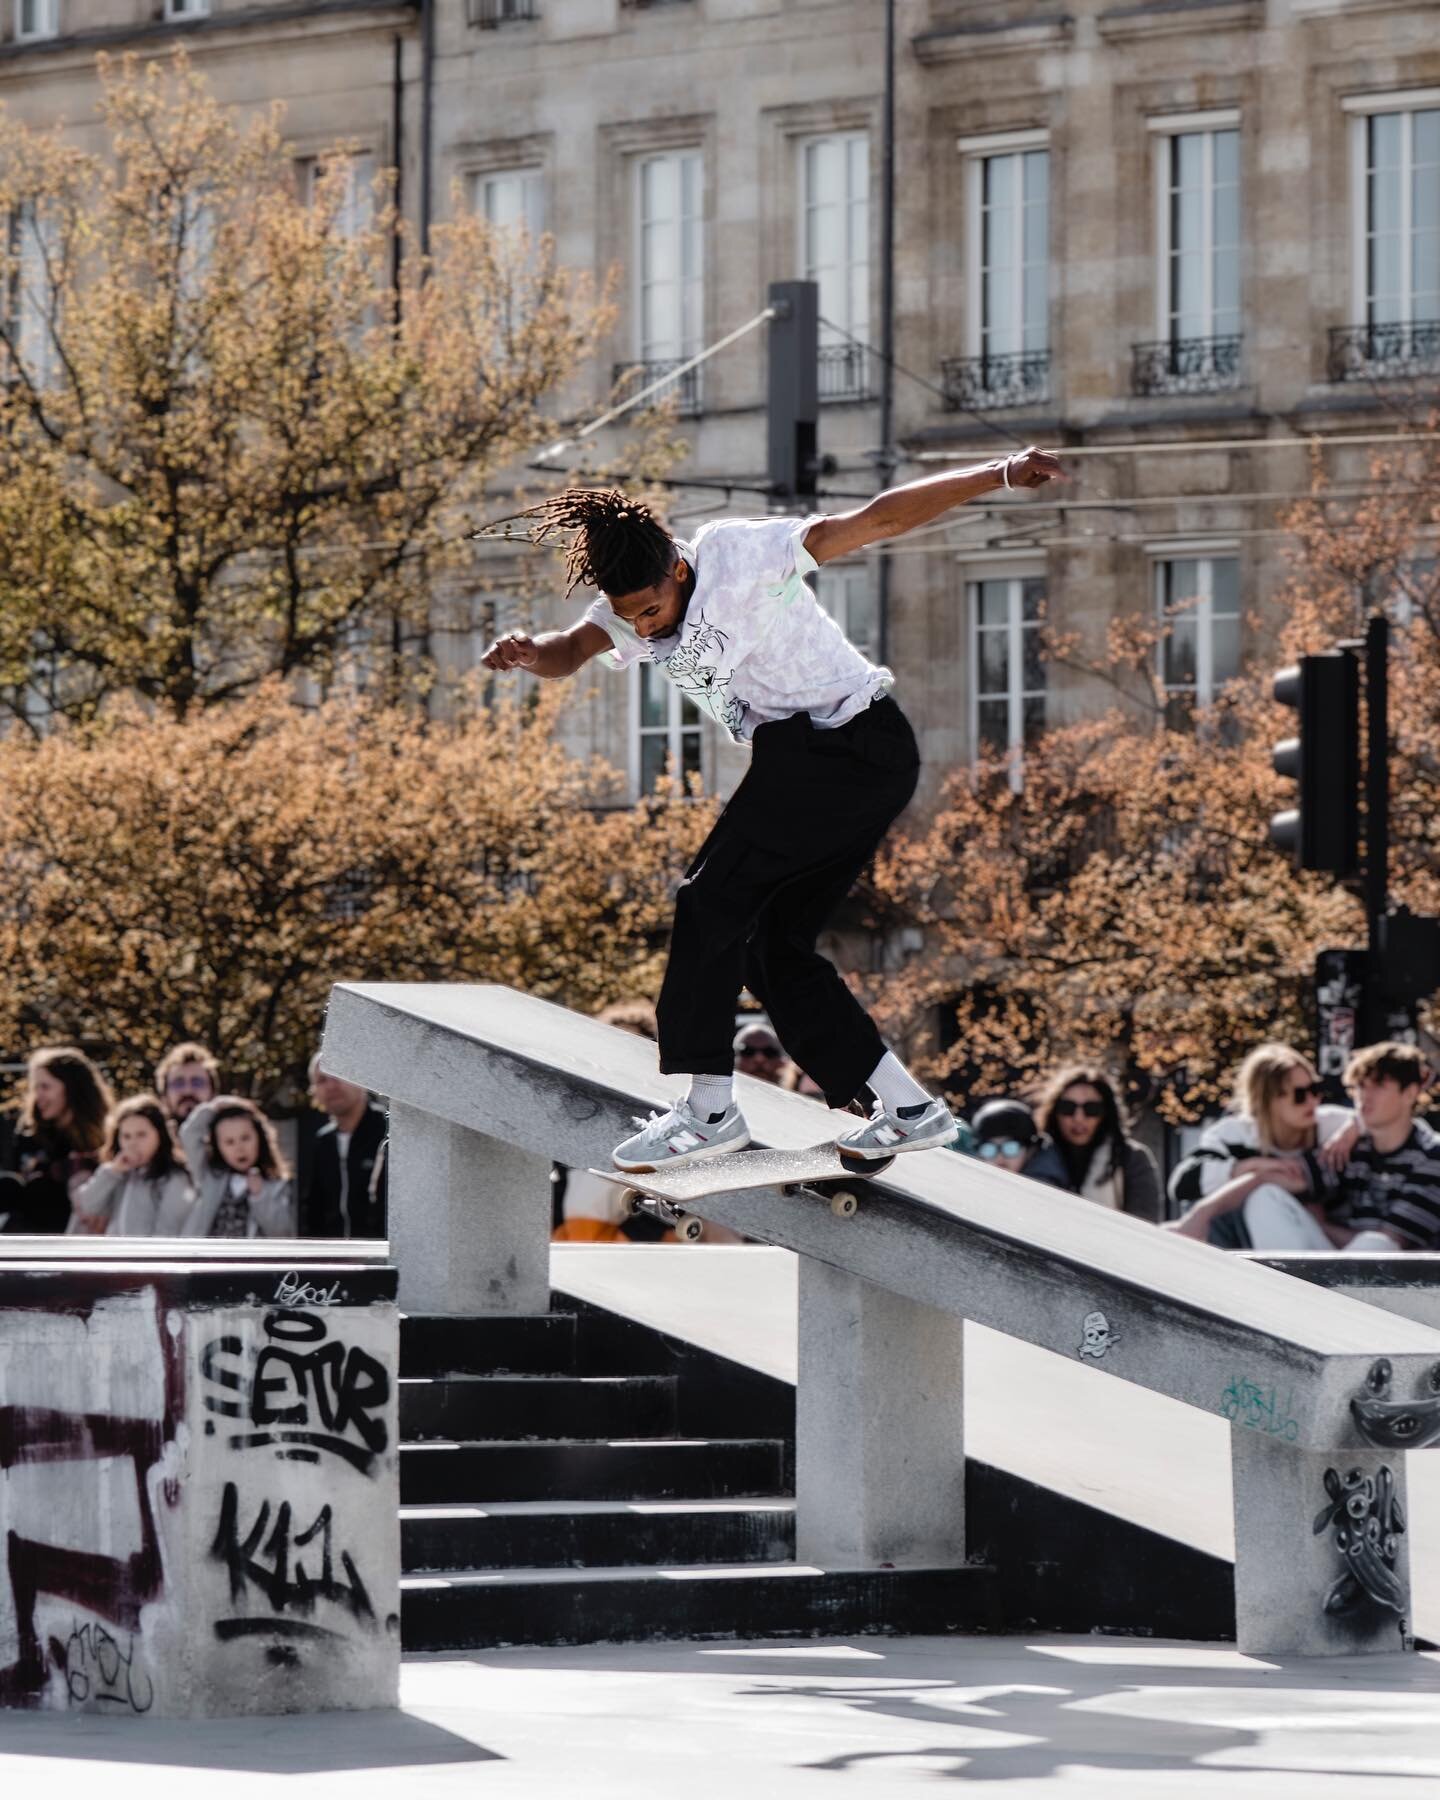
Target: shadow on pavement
309, 1744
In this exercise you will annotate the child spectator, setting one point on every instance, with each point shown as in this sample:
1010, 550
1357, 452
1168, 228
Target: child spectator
243, 1187
1006, 1137
58, 1142
141, 1189
1080, 1113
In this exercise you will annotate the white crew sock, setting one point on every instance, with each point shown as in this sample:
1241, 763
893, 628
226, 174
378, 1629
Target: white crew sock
710, 1095
894, 1086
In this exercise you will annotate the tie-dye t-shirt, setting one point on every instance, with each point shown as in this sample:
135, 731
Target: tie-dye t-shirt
755, 645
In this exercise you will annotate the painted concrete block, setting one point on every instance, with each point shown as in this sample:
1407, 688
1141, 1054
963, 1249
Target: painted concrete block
199, 1489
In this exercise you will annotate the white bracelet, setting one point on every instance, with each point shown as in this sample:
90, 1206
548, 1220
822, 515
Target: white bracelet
1005, 473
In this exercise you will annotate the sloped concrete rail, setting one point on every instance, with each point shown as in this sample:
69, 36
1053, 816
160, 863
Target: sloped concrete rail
1324, 1393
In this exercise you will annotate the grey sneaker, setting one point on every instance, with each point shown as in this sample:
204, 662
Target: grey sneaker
680, 1136
884, 1135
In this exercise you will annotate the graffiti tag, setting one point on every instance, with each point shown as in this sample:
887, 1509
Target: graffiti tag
1246, 1403
290, 1290
269, 1557
325, 1397
96, 1667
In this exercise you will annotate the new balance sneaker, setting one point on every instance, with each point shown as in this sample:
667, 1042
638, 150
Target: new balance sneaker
885, 1134
680, 1136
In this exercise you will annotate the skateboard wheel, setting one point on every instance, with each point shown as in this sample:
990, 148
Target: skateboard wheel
845, 1205
631, 1203
689, 1231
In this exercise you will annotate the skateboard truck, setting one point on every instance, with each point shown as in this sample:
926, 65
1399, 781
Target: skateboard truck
687, 1227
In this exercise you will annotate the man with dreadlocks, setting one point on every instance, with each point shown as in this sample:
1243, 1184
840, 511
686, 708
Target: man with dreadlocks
729, 618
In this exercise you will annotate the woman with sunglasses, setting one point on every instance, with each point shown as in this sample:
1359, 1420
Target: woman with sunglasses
1080, 1113
1261, 1177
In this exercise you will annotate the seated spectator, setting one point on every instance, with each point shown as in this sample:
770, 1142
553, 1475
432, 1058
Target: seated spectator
242, 1185
57, 1145
1080, 1113
345, 1193
142, 1188
186, 1077
757, 1052
1260, 1177
1006, 1137
1390, 1187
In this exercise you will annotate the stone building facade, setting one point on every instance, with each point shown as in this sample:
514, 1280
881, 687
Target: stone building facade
1182, 238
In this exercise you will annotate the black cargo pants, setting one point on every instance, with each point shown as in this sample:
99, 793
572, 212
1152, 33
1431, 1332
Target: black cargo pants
797, 833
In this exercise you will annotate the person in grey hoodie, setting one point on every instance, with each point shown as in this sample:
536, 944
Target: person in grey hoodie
243, 1188
142, 1188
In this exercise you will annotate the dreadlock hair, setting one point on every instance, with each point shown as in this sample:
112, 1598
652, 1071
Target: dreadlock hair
616, 543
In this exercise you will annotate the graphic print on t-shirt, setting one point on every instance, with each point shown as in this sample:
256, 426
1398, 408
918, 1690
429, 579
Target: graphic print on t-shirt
696, 665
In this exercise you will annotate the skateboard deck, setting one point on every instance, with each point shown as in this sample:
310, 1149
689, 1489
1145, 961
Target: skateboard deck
668, 1193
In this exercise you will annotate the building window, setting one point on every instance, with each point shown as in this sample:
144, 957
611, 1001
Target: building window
36, 19
356, 212
847, 592
511, 199
670, 304
32, 299
186, 9
1008, 689
487, 15
1197, 606
1396, 183
835, 252
1198, 336
1008, 254
667, 730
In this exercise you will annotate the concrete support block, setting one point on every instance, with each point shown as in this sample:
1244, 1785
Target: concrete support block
469, 1218
880, 1463
1322, 1563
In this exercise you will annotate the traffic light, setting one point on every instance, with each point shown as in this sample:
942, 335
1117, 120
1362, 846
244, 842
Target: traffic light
794, 389
1323, 831
1409, 955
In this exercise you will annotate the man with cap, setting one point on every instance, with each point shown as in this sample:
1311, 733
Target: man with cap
1006, 1137
758, 1053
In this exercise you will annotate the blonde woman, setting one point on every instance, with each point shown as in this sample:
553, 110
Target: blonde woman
1260, 1177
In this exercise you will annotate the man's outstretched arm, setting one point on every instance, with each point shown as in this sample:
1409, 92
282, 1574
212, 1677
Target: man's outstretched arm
901, 509
553, 655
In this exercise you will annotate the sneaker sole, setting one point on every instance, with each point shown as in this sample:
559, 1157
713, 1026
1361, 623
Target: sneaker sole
688, 1156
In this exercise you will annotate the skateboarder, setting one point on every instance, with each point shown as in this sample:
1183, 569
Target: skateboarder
727, 616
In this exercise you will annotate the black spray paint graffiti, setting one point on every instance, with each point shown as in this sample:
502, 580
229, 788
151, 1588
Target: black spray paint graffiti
113, 1588
269, 1558
97, 1668
1365, 1515
325, 1397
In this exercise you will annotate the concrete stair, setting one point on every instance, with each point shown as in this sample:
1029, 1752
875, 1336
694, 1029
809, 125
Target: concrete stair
570, 1479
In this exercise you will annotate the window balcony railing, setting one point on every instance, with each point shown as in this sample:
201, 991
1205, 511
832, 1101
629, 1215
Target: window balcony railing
1186, 366
1385, 352
488, 14
630, 377
979, 383
844, 372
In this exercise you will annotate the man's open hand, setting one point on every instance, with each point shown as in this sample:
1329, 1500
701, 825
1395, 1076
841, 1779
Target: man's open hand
1032, 468
515, 651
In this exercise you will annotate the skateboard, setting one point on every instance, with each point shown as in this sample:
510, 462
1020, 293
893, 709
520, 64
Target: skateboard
666, 1194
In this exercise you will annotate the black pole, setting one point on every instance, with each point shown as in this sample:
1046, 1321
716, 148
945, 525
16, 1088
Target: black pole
886, 459
1377, 774
397, 150
427, 118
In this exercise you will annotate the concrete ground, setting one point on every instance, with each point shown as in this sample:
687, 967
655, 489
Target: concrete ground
849, 1720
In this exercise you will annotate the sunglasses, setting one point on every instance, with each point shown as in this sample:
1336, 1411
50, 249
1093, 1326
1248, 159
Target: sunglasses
1005, 1147
187, 1084
1092, 1109
1303, 1091
769, 1050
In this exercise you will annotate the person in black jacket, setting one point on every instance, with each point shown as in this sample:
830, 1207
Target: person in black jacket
345, 1193
59, 1136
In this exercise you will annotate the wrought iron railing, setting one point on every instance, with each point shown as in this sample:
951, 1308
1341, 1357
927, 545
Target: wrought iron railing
1385, 352
982, 382
844, 372
487, 14
1186, 366
630, 377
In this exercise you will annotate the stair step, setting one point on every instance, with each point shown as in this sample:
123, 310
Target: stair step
561, 1606
525, 1344
590, 1534
536, 1406
457, 1473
